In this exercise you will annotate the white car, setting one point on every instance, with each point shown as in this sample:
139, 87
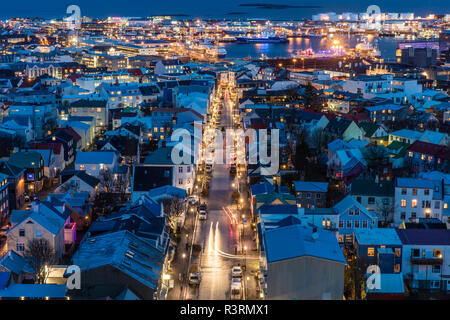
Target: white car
193, 199
236, 272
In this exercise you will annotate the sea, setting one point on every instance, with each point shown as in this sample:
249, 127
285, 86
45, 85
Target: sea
386, 45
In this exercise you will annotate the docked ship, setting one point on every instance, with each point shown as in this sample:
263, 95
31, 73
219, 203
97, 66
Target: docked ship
211, 49
267, 36
261, 39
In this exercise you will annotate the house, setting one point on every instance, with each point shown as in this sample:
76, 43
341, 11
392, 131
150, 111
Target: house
391, 288
345, 164
381, 247
271, 199
112, 262
57, 151
34, 292
340, 128
50, 169
43, 221
18, 267
311, 194
376, 196
424, 156
353, 216
98, 109
4, 198
159, 170
169, 67
94, 162
311, 267
426, 258
77, 205
33, 163
68, 142
418, 198
78, 181
77, 141
16, 184
372, 132
385, 113
405, 136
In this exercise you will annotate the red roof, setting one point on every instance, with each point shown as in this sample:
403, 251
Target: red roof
135, 72
427, 148
55, 146
357, 117
74, 77
71, 132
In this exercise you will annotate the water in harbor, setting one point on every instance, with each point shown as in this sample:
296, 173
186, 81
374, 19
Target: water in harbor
386, 46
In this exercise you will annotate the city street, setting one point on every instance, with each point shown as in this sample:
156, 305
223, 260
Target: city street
225, 241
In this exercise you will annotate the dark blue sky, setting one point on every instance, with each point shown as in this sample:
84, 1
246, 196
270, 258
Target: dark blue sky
213, 8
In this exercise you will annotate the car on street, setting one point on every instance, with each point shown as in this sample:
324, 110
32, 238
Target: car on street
194, 274
236, 289
193, 199
236, 272
203, 213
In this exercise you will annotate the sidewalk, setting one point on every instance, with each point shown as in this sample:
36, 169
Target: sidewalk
179, 265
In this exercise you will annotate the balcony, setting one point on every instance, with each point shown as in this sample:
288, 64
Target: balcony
427, 260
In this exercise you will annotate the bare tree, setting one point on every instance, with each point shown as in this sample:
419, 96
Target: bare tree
173, 208
40, 256
385, 208
107, 179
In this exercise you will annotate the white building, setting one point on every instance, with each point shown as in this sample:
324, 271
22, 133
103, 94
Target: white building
369, 86
417, 198
426, 258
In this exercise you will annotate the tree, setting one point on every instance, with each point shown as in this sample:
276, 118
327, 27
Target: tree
354, 276
385, 208
173, 208
302, 153
107, 179
312, 99
40, 256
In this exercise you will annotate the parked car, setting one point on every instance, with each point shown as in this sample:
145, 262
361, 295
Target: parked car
203, 213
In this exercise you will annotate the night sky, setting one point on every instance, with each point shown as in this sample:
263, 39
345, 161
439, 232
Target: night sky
211, 8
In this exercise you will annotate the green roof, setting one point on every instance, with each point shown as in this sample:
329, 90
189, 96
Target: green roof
369, 128
163, 156
395, 145
371, 188
25, 159
269, 197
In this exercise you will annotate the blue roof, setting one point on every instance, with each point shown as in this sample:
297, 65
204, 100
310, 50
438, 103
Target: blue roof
4, 279
167, 191
15, 263
262, 188
296, 241
278, 209
124, 251
377, 236
34, 291
95, 157
389, 283
311, 186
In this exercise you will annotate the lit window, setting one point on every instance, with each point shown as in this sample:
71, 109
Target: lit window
414, 203
403, 203
370, 252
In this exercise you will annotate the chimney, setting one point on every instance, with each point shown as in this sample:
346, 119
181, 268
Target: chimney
35, 207
314, 234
